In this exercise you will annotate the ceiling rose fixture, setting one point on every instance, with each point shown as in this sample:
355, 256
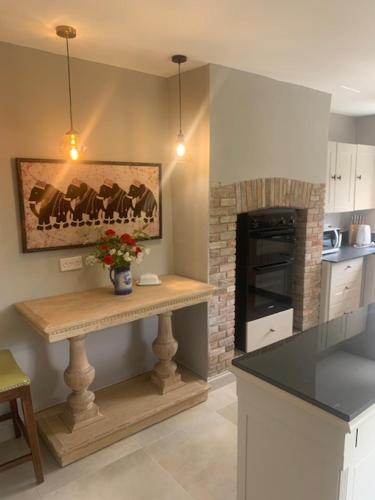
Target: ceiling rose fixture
71, 146
180, 146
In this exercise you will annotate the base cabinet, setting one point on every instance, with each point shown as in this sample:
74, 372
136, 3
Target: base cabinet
341, 289
369, 284
291, 450
361, 483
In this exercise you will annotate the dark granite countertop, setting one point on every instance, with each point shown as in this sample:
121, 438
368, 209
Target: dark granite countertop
348, 252
331, 366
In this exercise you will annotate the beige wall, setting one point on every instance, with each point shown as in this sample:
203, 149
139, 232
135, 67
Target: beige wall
261, 127
190, 198
190, 190
125, 115
342, 128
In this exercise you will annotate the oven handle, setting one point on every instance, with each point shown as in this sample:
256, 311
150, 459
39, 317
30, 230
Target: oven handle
270, 267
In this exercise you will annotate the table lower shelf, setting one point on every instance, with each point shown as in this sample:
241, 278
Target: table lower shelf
126, 408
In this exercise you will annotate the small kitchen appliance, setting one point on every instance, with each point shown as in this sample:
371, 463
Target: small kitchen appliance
363, 238
332, 238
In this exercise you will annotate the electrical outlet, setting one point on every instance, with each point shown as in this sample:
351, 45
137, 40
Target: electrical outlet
71, 263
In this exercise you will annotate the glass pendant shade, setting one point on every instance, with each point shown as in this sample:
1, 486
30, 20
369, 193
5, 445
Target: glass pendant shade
180, 146
72, 147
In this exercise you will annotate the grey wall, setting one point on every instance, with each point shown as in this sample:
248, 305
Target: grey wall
124, 114
365, 130
261, 127
342, 128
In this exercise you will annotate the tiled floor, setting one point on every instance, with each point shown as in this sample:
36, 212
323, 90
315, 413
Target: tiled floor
189, 456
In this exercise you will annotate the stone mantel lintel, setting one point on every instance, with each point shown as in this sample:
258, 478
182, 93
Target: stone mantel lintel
69, 315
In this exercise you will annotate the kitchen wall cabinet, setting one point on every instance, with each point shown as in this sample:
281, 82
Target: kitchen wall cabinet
365, 178
340, 177
330, 177
350, 179
341, 290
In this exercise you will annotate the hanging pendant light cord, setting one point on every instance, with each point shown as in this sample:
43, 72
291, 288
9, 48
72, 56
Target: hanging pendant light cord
69, 85
179, 91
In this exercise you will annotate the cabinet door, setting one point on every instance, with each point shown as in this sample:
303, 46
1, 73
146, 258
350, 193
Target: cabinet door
365, 178
330, 178
345, 177
363, 479
369, 276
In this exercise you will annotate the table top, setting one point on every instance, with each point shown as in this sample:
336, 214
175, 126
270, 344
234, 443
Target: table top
331, 366
72, 314
348, 252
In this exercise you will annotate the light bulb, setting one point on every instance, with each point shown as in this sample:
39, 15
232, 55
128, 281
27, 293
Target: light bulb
73, 153
180, 148
71, 147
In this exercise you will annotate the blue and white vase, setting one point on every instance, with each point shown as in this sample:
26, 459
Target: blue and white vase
122, 280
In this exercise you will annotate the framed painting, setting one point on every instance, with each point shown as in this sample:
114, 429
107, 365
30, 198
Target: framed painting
67, 205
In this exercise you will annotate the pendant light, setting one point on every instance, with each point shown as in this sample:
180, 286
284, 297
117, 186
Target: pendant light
71, 145
180, 145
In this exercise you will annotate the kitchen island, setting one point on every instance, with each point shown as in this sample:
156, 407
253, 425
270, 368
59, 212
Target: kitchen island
306, 424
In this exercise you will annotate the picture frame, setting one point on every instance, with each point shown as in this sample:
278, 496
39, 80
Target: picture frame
69, 205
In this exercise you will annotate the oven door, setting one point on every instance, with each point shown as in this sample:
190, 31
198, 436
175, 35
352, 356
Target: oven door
269, 288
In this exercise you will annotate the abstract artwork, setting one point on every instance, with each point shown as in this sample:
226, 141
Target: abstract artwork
68, 204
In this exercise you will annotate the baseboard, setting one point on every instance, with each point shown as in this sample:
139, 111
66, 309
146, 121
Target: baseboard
220, 380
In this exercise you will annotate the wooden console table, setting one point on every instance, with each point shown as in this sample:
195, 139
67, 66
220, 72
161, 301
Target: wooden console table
88, 422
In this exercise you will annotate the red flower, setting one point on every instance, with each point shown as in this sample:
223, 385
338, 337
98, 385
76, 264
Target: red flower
138, 250
127, 239
108, 259
103, 248
110, 232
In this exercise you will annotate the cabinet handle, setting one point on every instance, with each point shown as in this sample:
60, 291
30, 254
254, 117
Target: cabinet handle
333, 177
339, 177
348, 267
359, 177
271, 330
347, 288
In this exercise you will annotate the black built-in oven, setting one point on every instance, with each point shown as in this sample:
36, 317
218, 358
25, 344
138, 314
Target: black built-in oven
264, 266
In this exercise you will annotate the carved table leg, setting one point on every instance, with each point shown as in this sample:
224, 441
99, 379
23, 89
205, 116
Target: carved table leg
165, 376
80, 408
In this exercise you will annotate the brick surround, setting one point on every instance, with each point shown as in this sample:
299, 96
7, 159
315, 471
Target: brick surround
228, 201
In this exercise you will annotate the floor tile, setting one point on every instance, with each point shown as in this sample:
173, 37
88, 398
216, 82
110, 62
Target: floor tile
191, 455
135, 477
57, 476
201, 458
190, 417
230, 412
22, 479
19, 482
220, 398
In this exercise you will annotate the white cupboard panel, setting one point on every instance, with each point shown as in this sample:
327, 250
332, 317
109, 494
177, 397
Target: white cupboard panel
345, 177
365, 178
330, 177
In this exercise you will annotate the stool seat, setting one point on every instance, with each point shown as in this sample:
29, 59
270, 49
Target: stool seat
11, 376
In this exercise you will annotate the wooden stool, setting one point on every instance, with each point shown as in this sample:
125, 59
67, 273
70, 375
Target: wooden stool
15, 384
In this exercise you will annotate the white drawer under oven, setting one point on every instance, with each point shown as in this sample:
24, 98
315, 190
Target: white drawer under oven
269, 329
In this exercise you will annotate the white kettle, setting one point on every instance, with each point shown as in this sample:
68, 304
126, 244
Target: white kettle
363, 235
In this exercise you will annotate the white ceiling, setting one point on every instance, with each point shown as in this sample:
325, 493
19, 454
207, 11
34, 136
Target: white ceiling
321, 44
